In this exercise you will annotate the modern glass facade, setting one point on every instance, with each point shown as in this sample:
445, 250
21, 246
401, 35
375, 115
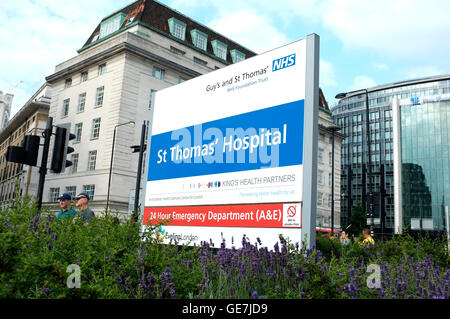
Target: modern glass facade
425, 161
424, 156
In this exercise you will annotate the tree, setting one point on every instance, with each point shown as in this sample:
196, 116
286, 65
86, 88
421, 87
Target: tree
358, 220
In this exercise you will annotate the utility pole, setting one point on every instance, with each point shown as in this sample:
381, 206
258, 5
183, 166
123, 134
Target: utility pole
43, 169
142, 148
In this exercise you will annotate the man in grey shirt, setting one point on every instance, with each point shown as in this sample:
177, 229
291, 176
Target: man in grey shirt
82, 202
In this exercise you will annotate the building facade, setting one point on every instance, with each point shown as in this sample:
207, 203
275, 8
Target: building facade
324, 169
134, 52
421, 150
31, 119
5, 108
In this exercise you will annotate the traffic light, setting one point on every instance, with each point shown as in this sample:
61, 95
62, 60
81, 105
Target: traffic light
137, 148
61, 149
25, 154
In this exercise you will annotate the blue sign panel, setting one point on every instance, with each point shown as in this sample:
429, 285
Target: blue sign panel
270, 137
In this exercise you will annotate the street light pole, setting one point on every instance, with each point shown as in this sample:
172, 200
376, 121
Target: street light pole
111, 162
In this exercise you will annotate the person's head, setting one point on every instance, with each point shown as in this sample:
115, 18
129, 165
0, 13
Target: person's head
82, 200
366, 232
344, 234
64, 201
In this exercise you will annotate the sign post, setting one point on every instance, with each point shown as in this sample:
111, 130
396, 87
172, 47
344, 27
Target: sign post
234, 152
447, 224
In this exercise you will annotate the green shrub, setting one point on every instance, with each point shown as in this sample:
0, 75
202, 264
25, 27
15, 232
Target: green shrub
116, 261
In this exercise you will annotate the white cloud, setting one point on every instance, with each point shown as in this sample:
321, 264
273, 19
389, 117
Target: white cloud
362, 82
422, 71
327, 75
38, 35
380, 66
401, 29
250, 30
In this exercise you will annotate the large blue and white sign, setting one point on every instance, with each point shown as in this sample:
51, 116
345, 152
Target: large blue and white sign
232, 152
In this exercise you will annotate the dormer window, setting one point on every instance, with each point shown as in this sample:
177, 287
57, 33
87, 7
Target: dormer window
177, 28
199, 39
220, 49
111, 25
95, 38
130, 20
237, 56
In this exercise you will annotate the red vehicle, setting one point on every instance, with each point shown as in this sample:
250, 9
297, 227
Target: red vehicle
327, 231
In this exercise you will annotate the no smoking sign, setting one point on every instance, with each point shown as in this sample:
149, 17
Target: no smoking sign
292, 215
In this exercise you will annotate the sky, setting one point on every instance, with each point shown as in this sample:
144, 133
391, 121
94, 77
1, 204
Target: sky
362, 43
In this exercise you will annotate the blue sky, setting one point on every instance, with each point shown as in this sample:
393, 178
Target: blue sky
362, 43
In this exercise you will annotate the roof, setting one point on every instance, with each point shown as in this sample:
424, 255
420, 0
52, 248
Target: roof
322, 102
397, 84
156, 15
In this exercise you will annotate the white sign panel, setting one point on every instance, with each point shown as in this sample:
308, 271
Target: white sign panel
227, 151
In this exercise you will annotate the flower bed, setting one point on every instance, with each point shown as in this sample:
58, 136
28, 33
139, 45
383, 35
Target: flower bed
115, 262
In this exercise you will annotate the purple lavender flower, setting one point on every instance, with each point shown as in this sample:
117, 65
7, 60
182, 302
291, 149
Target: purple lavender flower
45, 290
255, 295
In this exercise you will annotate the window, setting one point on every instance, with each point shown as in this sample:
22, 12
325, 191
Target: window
356, 118
179, 31
95, 131
158, 73
374, 116
320, 155
71, 190
220, 49
177, 28
177, 51
81, 102
99, 96
319, 198
90, 190
95, 38
199, 39
68, 83
84, 76
237, 56
102, 69
130, 20
65, 108
320, 177
74, 160
388, 114
54, 194
78, 130
152, 99
200, 61
92, 158
111, 25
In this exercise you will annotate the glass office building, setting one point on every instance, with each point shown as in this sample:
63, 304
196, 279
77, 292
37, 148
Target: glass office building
422, 147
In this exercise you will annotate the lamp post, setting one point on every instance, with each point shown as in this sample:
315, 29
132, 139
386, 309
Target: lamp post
111, 163
333, 129
369, 153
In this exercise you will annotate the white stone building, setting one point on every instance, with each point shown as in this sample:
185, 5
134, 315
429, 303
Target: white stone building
5, 108
324, 169
31, 119
134, 52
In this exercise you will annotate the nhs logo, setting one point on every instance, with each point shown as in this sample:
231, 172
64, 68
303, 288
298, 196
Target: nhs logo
282, 63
